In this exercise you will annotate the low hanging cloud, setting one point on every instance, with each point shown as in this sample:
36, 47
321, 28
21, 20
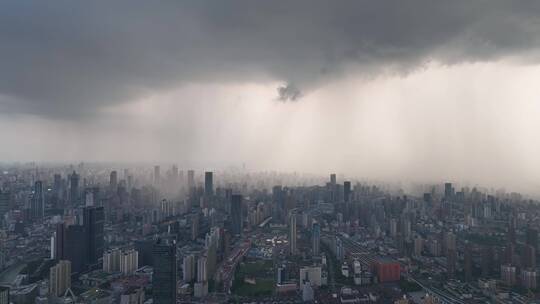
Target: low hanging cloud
288, 92
67, 60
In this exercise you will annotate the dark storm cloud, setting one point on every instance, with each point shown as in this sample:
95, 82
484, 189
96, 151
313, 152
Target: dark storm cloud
68, 59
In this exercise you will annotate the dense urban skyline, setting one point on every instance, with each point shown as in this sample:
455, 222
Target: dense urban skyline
237, 151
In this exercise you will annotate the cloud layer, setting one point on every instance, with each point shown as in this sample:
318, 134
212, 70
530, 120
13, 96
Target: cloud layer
68, 60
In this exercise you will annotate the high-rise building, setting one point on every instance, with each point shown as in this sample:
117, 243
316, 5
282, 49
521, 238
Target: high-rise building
4, 204
532, 237
60, 278
189, 268
467, 267
292, 233
129, 261
59, 242
75, 247
508, 274
208, 183
316, 235
190, 179
38, 201
4, 295
347, 191
448, 191
93, 221
528, 278
333, 179
164, 277
202, 269
418, 246
113, 180
111, 260
157, 175
74, 188
236, 214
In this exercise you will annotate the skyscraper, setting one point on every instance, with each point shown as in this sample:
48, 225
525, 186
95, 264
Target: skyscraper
60, 278
75, 247
4, 295
74, 188
346, 191
113, 180
316, 235
189, 268
208, 183
333, 179
164, 277
4, 204
236, 214
190, 179
93, 221
292, 233
129, 261
60, 242
38, 201
157, 175
448, 191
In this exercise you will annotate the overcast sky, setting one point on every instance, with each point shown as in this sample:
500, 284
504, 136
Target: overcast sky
412, 90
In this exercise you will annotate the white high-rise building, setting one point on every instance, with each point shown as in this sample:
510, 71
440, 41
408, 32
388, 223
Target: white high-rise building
201, 269
129, 261
111, 260
189, 268
60, 278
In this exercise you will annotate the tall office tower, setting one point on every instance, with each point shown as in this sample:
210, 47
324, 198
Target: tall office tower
164, 277
451, 258
60, 278
333, 179
316, 235
4, 204
57, 186
111, 260
4, 295
113, 180
236, 214
448, 191
189, 268
75, 247
38, 201
157, 175
528, 257
129, 261
190, 179
208, 183
467, 267
74, 188
60, 235
175, 175
487, 260
532, 238
194, 227
202, 269
347, 191
93, 221
512, 230
130, 182
292, 233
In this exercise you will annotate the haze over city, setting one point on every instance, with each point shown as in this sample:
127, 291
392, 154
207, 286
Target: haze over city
235, 151
422, 90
